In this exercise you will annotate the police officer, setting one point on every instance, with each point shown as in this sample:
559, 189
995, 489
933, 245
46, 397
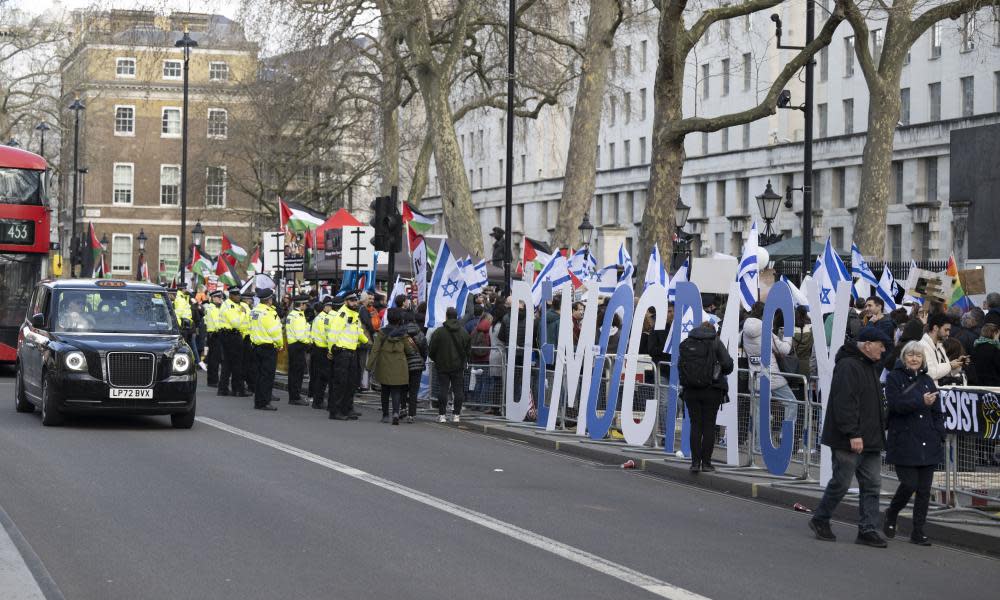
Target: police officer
345, 335
319, 367
231, 325
249, 357
182, 306
299, 338
265, 335
213, 321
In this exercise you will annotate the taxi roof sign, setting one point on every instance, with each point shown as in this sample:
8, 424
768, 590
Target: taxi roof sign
114, 283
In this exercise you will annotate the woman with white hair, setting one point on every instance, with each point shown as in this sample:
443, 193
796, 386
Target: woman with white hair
915, 443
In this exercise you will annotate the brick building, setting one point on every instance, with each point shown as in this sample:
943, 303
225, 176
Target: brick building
127, 71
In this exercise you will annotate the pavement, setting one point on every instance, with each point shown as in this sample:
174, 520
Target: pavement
289, 504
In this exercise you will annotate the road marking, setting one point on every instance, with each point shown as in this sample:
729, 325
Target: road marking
18, 580
570, 553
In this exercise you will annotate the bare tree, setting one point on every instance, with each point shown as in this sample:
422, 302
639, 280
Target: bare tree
882, 68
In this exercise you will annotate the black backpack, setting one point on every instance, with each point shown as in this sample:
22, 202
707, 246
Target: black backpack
697, 364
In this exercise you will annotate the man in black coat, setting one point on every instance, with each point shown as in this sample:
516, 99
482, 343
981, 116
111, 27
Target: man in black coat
855, 432
703, 402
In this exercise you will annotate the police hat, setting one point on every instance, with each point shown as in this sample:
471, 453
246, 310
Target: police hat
336, 302
216, 294
265, 294
351, 296
300, 299
234, 291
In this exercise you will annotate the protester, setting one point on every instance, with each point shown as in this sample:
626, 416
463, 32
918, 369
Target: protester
875, 312
368, 317
853, 428
913, 331
473, 321
703, 365
992, 308
986, 357
955, 352
938, 364
578, 309
963, 335
450, 346
416, 360
388, 363
480, 358
802, 342
915, 438
552, 317
753, 332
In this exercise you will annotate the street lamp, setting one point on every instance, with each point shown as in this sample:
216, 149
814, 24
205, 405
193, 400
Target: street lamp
42, 128
141, 238
185, 43
586, 230
197, 234
682, 240
768, 204
76, 107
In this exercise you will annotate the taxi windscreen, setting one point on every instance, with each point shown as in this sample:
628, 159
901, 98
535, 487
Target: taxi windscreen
113, 311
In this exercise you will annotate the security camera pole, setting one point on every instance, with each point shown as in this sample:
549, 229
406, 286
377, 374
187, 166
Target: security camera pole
807, 158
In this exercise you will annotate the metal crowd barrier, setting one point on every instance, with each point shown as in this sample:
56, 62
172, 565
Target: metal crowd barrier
483, 382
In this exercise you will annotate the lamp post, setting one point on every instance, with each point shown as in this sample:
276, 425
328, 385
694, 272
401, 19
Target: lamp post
142, 254
586, 230
509, 185
186, 43
41, 128
197, 234
76, 107
768, 204
682, 240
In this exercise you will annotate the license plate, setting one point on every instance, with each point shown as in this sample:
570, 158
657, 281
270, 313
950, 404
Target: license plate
132, 393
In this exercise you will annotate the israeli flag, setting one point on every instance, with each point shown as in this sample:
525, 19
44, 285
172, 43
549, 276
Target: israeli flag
474, 275
798, 298
555, 271
625, 260
688, 324
828, 271
860, 268
679, 276
748, 276
448, 288
607, 279
655, 273
886, 290
583, 264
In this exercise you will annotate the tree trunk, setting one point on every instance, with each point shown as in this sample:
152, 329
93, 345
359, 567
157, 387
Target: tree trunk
580, 162
460, 218
419, 181
876, 173
389, 170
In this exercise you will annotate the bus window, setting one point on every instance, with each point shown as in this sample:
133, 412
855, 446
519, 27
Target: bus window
21, 186
18, 276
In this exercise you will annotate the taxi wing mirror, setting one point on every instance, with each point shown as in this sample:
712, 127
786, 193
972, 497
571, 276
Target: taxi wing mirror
37, 320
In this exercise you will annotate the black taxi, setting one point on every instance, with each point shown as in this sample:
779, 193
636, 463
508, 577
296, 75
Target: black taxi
100, 347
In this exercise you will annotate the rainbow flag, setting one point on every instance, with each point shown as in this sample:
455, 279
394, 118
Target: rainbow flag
958, 297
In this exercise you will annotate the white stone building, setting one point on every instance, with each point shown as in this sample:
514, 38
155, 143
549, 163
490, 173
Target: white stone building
952, 81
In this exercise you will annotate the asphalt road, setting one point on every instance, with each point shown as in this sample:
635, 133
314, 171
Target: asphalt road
252, 505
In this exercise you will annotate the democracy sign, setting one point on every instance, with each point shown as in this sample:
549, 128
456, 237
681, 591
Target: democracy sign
970, 411
577, 368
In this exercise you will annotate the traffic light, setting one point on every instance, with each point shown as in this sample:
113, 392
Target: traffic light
388, 225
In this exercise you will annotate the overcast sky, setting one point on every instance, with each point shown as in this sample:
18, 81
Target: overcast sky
225, 7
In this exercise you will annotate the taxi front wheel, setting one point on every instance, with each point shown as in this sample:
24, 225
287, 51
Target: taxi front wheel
51, 417
21, 403
183, 420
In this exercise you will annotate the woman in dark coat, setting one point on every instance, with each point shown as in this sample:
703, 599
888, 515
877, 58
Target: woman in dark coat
915, 443
986, 357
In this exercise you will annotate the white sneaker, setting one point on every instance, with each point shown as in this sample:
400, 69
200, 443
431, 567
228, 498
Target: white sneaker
442, 419
455, 418
203, 366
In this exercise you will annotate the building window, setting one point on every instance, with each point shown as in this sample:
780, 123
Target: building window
218, 71
934, 94
218, 123
968, 32
849, 56
524, 170
704, 79
170, 254
170, 122
215, 187
124, 120
614, 111
821, 113
724, 138
747, 71
627, 66
122, 183
627, 153
725, 75
642, 104
121, 254
894, 242
742, 196
878, 36
125, 67
720, 242
720, 198
931, 178
921, 238
904, 106
701, 199
628, 107
642, 151
839, 183
170, 184
848, 116
817, 188
837, 237
968, 95
172, 69
824, 63
212, 245
611, 155
642, 55
897, 182
936, 31
501, 174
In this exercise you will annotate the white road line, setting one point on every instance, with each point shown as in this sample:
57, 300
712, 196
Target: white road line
16, 579
570, 553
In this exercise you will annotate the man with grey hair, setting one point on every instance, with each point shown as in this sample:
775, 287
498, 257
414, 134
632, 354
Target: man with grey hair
992, 308
966, 329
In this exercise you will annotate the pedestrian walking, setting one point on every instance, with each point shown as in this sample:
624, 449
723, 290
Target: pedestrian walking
265, 335
231, 327
854, 429
450, 347
915, 442
213, 324
416, 361
299, 336
388, 365
345, 336
319, 363
703, 366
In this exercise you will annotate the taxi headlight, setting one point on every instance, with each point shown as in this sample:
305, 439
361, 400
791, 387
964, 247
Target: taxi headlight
182, 363
75, 361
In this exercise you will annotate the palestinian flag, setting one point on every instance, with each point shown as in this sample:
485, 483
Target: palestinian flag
536, 255
295, 217
225, 271
307, 249
255, 266
143, 268
415, 240
200, 265
96, 247
417, 221
958, 297
232, 252
100, 269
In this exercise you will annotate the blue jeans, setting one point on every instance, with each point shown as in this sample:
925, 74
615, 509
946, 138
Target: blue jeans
846, 465
787, 396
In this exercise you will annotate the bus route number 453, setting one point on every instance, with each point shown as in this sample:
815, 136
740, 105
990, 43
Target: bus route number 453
16, 232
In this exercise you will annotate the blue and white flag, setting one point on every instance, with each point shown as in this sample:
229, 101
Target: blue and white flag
583, 264
688, 324
448, 288
625, 261
679, 276
829, 270
887, 289
655, 273
607, 279
398, 289
748, 276
474, 275
860, 268
555, 271
798, 298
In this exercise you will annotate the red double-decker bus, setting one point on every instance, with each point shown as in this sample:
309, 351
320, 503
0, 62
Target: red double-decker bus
24, 239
